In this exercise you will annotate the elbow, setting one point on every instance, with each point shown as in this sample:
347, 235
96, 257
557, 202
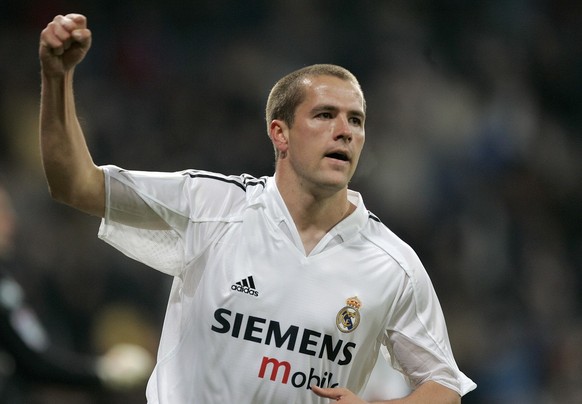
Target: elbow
437, 393
452, 397
57, 194
60, 185
63, 195
86, 193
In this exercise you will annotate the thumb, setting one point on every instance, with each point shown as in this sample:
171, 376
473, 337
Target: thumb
82, 36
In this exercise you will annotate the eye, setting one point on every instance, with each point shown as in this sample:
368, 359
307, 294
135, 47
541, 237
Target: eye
356, 121
324, 115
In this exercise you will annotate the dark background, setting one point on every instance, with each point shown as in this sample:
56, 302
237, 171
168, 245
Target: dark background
473, 156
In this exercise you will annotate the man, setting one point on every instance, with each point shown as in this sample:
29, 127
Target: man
285, 287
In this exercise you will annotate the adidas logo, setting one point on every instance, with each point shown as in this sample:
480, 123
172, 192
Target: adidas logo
246, 286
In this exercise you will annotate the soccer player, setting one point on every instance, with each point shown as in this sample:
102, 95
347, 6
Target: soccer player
285, 286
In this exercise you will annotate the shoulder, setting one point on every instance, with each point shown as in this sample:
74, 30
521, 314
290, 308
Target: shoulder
186, 181
239, 189
378, 234
242, 182
419, 288
193, 193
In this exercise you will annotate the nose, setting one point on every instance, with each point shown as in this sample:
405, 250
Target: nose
343, 129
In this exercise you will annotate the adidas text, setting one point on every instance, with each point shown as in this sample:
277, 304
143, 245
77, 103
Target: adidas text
245, 289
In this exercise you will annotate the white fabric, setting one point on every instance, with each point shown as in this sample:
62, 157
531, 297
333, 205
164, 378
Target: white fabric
225, 341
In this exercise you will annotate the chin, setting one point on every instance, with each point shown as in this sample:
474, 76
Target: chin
334, 184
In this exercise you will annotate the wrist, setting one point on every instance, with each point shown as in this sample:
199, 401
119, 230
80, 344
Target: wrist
53, 76
54, 85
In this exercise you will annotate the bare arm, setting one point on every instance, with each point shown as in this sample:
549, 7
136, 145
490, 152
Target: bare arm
72, 176
427, 393
430, 392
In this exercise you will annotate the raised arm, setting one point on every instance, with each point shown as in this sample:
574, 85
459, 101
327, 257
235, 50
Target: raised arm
72, 176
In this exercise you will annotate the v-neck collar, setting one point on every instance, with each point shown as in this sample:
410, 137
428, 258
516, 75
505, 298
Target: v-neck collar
277, 211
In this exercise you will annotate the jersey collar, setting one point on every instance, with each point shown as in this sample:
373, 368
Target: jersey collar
277, 211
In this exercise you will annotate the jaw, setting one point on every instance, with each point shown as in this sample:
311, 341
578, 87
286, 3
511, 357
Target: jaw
342, 169
320, 183
332, 176
323, 179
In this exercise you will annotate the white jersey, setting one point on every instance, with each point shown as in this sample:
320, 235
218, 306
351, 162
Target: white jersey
251, 318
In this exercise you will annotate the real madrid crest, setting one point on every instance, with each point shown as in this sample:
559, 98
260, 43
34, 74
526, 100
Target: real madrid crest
348, 318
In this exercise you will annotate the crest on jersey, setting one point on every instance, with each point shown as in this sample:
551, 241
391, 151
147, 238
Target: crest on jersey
348, 318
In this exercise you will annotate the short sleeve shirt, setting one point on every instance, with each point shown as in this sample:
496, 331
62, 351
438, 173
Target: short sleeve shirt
251, 318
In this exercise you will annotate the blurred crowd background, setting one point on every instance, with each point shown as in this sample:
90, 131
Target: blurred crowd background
473, 156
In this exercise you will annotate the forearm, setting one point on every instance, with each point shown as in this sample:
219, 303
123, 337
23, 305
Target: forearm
71, 174
428, 393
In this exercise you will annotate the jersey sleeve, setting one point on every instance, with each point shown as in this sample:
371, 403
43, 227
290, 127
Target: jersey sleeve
165, 219
416, 339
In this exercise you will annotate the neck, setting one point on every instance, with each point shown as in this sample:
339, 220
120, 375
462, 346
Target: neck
314, 213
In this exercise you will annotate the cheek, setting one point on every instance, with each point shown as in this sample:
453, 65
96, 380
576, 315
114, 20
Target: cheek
306, 143
358, 152
359, 141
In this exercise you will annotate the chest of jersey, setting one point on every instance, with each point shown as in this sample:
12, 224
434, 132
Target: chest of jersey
258, 287
275, 321
255, 267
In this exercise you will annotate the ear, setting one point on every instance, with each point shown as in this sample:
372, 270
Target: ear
279, 134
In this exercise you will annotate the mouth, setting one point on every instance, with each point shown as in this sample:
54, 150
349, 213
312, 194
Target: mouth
338, 155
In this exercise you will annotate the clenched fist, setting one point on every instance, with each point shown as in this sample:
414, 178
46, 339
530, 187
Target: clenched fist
63, 44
